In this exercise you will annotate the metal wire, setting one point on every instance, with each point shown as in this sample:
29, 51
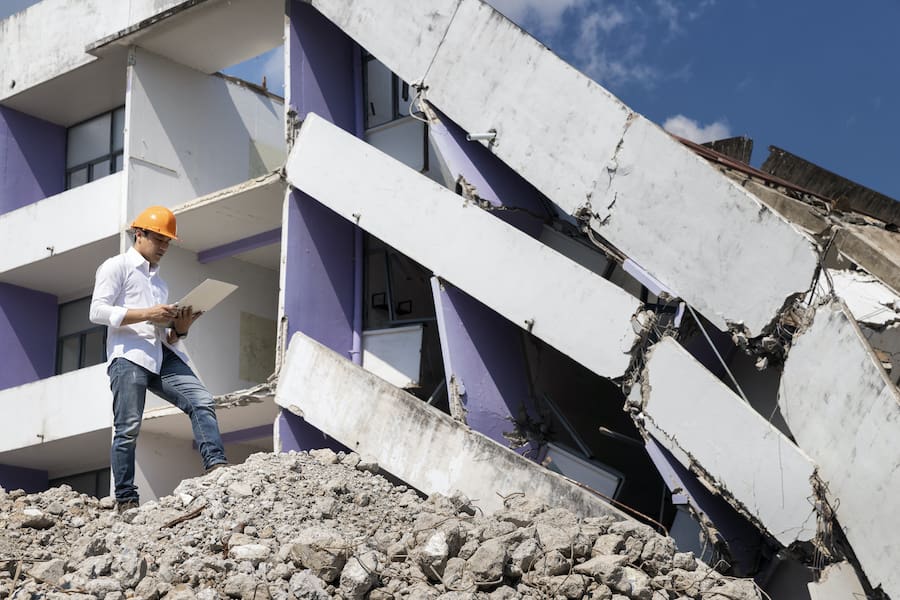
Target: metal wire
716, 350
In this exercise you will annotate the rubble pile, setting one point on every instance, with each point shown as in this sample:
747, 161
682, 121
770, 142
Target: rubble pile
322, 525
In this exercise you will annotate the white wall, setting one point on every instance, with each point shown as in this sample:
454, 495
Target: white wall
49, 38
65, 221
845, 413
190, 134
55, 408
214, 342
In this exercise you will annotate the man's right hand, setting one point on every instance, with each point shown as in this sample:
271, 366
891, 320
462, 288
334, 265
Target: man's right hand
161, 314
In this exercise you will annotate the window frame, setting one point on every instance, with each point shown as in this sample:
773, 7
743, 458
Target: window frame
110, 156
396, 85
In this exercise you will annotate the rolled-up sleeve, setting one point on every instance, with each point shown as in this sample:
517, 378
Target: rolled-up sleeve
107, 287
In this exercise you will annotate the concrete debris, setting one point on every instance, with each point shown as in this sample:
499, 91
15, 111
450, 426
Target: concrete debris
210, 540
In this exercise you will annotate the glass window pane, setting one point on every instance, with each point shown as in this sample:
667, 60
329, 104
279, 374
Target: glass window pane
94, 353
404, 97
69, 353
101, 169
79, 177
75, 317
379, 99
118, 129
118, 163
88, 141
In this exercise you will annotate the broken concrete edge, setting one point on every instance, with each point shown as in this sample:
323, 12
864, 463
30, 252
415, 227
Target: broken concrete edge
636, 405
863, 512
648, 429
427, 449
129, 35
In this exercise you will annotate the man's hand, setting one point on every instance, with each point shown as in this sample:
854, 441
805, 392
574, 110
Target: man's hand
161, 314
184, 318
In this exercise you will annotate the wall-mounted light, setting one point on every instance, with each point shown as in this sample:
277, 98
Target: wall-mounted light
477, 137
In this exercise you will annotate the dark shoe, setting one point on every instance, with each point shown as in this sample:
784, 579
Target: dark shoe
214, 467
127, 505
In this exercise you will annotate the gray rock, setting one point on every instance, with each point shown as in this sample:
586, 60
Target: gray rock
684, 560
568, 586
431, 556
606, 569
34, 518
657, 553
182, 591
305, 585
633, 583
102, 586
359, 574
551, 564
320, 550
457, 576
567, 540
486, 565
49, 571
523, 558
326, 456
608, 543
255, 553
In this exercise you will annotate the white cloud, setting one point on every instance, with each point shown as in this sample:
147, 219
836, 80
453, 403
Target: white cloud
690, 129
545, 16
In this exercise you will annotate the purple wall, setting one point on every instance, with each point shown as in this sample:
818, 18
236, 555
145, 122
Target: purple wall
494, 181
32, 159
319, 270
27, 335
322, 68
743, 539
20, 478
297, 434
483, 351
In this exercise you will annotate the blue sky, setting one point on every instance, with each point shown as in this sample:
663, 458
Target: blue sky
820, 78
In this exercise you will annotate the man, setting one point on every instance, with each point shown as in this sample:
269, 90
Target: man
144, 349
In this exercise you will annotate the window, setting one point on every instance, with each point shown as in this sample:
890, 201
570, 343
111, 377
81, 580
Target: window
80, 343
386, 97
95, 148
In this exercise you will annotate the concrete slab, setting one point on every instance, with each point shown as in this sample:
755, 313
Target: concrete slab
745, 459
837, 582
587, 318
845, 413
416, 442
590, 154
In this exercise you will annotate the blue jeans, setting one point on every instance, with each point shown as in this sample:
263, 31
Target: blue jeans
177, 384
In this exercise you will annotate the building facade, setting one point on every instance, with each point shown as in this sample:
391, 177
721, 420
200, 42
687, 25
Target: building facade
457, 254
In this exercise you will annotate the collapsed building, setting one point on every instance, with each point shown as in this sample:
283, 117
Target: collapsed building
461, 256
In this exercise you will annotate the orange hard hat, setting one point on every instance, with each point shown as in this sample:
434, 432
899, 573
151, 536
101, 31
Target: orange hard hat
157, 218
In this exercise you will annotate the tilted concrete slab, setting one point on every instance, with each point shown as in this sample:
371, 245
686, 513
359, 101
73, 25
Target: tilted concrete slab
416, 442
837, 582
747, 460
569, 307
590, 154
845, 413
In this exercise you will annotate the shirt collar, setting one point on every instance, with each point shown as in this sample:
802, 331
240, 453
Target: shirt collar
137, 261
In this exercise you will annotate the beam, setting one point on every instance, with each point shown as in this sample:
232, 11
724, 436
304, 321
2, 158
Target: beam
586, 317
590, 154
266, 238
845, 413
415, 442
712, 431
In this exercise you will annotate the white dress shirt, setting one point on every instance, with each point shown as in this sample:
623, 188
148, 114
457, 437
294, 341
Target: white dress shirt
128, 281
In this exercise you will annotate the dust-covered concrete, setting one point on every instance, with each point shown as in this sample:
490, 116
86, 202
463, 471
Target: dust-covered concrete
325, 525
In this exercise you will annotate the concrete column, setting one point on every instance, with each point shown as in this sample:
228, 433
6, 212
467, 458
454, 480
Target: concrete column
16, 478
32, 159
318, 282
27, 335
484, 363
